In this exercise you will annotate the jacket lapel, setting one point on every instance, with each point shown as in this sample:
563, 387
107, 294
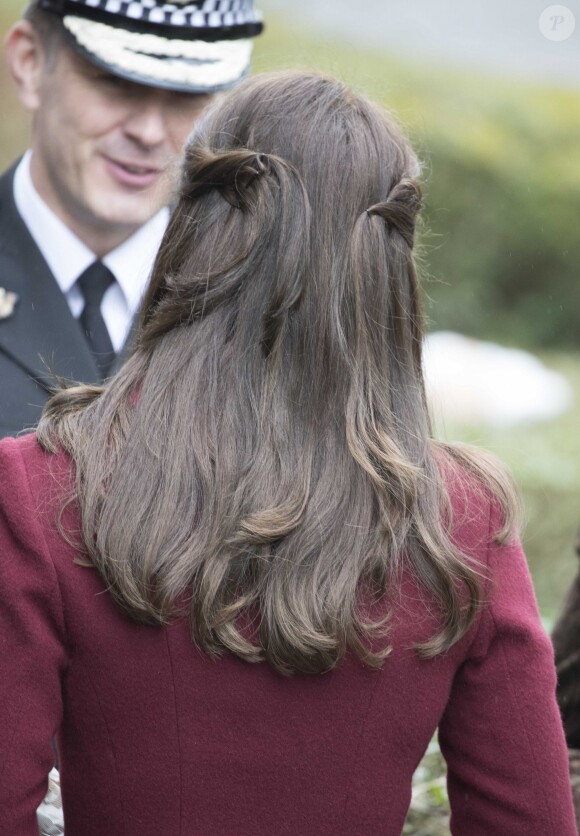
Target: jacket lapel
41, 335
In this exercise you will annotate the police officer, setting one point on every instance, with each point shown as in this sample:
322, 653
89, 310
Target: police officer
114, 89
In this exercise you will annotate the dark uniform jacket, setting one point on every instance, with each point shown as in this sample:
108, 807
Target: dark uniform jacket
40, 340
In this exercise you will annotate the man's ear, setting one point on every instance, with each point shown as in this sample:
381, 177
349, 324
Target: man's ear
27, 62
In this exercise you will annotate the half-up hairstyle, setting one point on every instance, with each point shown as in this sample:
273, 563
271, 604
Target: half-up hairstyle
264, 458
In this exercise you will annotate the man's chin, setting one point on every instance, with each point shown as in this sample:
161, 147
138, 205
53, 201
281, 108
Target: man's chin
103, 228
128, 215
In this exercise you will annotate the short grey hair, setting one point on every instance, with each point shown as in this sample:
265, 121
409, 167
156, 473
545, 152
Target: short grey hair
48, 26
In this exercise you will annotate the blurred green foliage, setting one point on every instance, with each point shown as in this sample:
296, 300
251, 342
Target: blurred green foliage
14, 121
545, 459
429, 812
502, 177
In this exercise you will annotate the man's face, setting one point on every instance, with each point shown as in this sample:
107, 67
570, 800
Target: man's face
104, 149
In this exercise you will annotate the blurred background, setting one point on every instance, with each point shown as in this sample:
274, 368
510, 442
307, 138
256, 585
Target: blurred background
489, 92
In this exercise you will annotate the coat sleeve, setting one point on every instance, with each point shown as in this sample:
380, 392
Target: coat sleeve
32, 649
501, 733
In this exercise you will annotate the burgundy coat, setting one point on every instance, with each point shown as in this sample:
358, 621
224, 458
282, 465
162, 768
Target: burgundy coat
157, 740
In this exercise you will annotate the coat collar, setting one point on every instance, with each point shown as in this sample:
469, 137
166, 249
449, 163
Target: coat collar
41, 335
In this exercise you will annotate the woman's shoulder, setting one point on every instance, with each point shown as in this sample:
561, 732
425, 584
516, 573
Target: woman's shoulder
21, 451
30, 476
25, 452
483, 504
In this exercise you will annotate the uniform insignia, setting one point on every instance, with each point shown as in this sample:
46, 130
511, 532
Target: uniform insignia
8, 300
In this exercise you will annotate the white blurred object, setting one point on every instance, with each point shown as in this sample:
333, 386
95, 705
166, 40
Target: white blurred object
49, 814
474, 382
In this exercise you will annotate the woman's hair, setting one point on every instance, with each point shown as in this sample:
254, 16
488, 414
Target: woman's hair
264, 456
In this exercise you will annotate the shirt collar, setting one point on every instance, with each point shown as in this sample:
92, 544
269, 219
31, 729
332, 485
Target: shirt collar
131, 261
67, 256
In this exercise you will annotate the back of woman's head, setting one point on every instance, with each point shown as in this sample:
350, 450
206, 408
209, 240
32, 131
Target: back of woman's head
265, 451
292, 242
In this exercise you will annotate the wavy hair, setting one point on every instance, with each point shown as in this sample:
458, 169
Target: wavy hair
263, 461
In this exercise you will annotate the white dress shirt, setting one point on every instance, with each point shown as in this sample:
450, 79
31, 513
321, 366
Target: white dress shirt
68, 257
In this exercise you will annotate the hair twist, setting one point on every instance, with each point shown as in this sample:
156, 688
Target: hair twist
232, 173
400, 209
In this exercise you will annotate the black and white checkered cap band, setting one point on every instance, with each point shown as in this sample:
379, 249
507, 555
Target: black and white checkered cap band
187, 65
227, 18
188, 45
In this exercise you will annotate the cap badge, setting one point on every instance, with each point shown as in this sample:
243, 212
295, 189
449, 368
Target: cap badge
8, 301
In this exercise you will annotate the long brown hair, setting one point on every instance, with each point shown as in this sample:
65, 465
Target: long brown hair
264, 455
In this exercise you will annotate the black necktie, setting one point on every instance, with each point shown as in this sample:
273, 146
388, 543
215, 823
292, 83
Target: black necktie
93, 283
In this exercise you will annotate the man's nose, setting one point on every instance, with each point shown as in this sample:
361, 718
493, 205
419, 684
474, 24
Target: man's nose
147, 124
